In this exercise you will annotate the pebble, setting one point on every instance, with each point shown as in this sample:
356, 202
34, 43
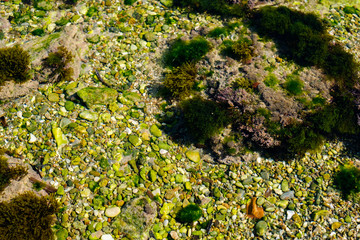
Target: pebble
112, 211
287, 195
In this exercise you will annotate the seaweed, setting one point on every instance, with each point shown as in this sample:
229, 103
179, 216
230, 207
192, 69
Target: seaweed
294, 85
241, 50
28, 217
198, 111
181, 80
14, 64
189, 214
181, 52
271, 80
58, 62
347, 179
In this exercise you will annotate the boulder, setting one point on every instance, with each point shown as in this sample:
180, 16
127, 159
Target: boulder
92, 96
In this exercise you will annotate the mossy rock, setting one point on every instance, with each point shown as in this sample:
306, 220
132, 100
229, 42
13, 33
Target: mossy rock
92, 96
189, 214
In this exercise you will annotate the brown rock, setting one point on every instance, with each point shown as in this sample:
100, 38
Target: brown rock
253, 210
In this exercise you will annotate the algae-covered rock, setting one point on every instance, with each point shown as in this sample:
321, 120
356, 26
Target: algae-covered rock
135, 140
193, 156
155, 131
167, 3
261, 228
136, 218
88, 115
97, 96
60, 138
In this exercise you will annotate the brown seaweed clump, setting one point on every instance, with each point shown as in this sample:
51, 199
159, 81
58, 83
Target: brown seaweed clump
28, 217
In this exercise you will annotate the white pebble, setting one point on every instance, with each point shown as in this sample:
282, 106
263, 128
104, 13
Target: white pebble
107, 237
32, 138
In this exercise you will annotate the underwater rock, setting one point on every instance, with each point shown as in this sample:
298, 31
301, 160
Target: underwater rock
88, 115
193, 156
60, 138
97, 96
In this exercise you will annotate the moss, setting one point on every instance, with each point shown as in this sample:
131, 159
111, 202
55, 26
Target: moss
181, 80
347, 179
294, 85
241, 50
14, 64
129, 2
28, 217
302, 138
189, 214
218, 32
271, 81
58, 62
38, 32
7, 173
198, 111
181, 52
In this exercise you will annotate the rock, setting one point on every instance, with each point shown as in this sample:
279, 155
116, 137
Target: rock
97, 96
69, 105
62, 234
60, 191
335, 225
93, 39
85, 193
136, 218
10, 89
89, 115
154, 130
285, 186
64, 122
193, 156
44, 5
152, 175
60, 138
254, 211
288, 195
320, 214
32, 138
135, 140
166, 208
167, 3
107, 237
112, 211
261, 228
53, 97
96, 235
150, 37
174, 235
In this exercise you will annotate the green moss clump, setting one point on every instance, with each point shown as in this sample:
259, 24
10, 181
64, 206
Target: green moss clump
294, 85
218, 32
181, 80
7, 173
38, 32
58, 62
303, 138
271, 80
198, 111
14, 64
189, 214
347, 179
181, 52
241, 50
28, 217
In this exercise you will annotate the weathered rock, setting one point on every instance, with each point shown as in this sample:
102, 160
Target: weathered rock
97, 96
112, 211
136, 218
155, 131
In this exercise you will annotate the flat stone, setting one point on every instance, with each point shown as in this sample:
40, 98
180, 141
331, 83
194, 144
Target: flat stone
60, 138
285, 186
107, 237
89, 115
64, 122
288, 195
97, 96
53, 97
193, 156
135, 140
154, 130
112, 211
261, 228
150, 37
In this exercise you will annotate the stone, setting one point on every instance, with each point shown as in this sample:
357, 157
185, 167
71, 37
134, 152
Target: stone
64, 122
150, 37
32, 138
69, 105
135, 140
85, 193
261, 228
152, 175
53, 97
320, 214
92, 96
285, 186
60, 138
166, 208
89, 115
287, 195
107, 237
93, 39
154, 130
112, 211
62, 234
96, 235
335, 225
193, 156
167, 3
60, 190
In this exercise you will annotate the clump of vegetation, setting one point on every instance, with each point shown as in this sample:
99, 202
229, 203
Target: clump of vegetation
271, 80
38, 32
241, 50
189, 214
223, 31
347, 179
14, 64
219, 7
180, 80
28, 217
7, 173
294, 85
303, 138
59, 62
181, 52
129, 2
198, 111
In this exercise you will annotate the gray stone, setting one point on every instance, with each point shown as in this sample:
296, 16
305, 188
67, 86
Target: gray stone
150, 37
287, 195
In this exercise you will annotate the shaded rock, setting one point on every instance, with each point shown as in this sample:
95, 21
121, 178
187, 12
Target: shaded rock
136, 218
97, 96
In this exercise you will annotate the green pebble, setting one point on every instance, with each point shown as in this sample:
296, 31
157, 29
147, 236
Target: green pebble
193, 156
282, 203
62, 234
347, 219
135, 140
285, 186
153, 175
98, 226
154, 130
261, 228
53, 97
217, 192
60, 191
188, 186
69, 105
